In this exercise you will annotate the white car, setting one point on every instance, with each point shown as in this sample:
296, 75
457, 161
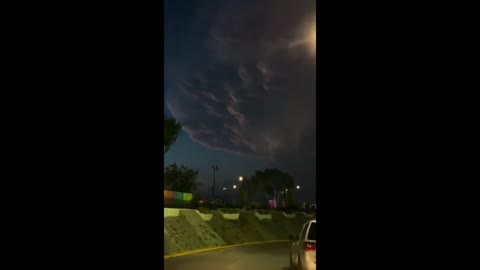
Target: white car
303, 251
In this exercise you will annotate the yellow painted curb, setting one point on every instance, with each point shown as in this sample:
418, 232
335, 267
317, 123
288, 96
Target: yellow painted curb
221, 247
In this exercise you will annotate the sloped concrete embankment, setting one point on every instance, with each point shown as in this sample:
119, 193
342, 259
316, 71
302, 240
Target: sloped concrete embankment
188, 231
208, 236
179, 235
229, 230
290, 226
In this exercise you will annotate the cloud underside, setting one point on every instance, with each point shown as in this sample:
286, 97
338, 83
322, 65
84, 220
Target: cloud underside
257, 97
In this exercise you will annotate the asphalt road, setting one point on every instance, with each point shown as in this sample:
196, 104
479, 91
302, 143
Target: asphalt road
267, 256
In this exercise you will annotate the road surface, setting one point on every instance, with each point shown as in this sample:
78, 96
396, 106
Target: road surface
267, 256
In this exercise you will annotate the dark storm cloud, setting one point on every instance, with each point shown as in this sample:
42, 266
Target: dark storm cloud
257, 97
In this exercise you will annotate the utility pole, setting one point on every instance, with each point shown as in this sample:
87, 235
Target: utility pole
215, 169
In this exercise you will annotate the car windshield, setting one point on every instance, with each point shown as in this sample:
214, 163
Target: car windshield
312, 233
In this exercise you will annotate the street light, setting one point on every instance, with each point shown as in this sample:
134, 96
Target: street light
215, 169
240, 178
234, 186
298, 187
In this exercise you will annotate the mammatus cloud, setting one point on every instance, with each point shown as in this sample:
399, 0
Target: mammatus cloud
258, 96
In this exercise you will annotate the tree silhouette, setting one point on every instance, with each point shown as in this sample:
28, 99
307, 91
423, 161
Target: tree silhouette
180, 178
273, 183
171, 131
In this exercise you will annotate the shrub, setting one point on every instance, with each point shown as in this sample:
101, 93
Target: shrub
218, 203
256, 204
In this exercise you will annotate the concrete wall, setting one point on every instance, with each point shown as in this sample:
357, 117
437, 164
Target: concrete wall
289, 215
234, 216
186, 229
171, 212
260, 216
205, 217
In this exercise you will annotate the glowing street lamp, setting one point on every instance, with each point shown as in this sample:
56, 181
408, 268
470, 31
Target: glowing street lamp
240, 178
234, 186
298, 187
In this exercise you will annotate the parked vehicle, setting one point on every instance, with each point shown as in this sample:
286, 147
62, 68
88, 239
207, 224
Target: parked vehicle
303, 251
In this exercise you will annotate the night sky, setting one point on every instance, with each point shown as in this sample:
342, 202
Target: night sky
240, 77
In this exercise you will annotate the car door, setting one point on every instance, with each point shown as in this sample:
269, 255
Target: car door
301, 241
297, 244
310, 243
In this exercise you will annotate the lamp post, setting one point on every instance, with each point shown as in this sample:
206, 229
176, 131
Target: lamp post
215, 169
234, 194
285, 195
298, 188
303, 204
224, 195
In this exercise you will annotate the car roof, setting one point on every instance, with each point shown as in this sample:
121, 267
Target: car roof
311, 221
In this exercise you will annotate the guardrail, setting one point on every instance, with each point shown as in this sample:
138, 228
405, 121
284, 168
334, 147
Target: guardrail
172, 203
263, 216
231, 216
205, 217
